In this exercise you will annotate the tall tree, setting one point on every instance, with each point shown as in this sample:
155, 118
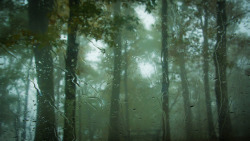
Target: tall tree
114, 110
39, 11
220, 61
25, 111
126, 90
70, 74
17, 122
165, 77
205, 53
185, 90
183, 26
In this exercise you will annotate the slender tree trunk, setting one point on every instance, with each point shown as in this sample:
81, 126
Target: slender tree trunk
80, 118
220, 60
16, 128
38, 24
185, 92
57, 100
126, 92
198, 116
70, 75
17, 121
114, 109
184, 81
211, 131
58, 77
165, 77
23, 135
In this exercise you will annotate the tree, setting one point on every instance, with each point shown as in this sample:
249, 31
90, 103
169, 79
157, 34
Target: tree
39, 11
185, 90
25, 111
204, 26
125, 79
220, 61
182, 45
114, 110
165, 78
70, 75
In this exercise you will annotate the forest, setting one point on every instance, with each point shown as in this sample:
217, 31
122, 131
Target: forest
124, 70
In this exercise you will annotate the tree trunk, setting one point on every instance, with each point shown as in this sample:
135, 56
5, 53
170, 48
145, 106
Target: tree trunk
45, 128
70, 75
165, 78
211, 131
220, 61
185, 92
17, 119
58, 93
126, 92
114, 108
38, 24
23, 135
80, 118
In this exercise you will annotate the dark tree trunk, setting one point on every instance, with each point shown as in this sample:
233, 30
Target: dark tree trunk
70, 75
114, 108
45, 128
184, 81
165, 77
185, 92
220, 61
25, 111
186, 96
38, 24
211, 131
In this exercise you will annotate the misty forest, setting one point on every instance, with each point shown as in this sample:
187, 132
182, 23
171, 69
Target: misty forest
124, 70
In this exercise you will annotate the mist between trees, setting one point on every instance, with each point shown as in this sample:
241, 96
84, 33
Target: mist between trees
124, 70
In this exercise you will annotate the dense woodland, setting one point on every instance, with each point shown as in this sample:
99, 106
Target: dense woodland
124, 70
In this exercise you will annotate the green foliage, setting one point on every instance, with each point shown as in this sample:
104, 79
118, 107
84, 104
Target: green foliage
12, 25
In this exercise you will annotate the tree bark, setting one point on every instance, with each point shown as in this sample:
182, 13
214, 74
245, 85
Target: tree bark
38, 25
58, 92
186, 96
23, 135
70, 75
165, 77
114, 108
17, 118
80, 118
220, 61
185, 92
126, 92
211, 131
